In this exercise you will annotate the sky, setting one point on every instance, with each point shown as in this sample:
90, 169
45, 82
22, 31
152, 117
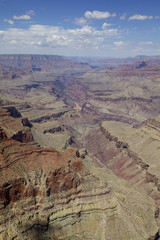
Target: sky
102, 28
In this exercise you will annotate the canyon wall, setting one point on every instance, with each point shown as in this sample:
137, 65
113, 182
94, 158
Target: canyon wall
79, 149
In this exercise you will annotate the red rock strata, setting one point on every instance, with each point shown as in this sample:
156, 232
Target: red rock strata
17, 128
17, 160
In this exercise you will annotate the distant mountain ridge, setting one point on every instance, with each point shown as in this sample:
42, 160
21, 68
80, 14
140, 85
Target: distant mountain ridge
15, 65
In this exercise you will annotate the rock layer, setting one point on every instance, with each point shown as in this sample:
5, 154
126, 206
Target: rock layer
66, 173
46, 194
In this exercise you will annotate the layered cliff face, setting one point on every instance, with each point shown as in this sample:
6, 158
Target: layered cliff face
31, 176
130, 153
15, 126
79, 158
45, 194
17, 66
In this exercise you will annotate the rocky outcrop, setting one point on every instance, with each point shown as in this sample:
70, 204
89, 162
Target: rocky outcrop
13, 112
115, 145
52, 116
30, 174
15, 126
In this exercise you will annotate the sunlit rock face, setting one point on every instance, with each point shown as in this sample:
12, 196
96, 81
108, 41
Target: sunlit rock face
79, 148
47, 194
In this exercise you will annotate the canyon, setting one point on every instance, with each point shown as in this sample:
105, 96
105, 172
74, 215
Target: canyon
79, 148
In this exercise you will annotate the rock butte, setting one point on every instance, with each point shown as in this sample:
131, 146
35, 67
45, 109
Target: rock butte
79, 148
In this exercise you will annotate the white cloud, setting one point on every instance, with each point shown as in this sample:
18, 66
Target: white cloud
120, 44
10, 21
13, 42
22, 17
53, 38
98, 15
140, 17
105, 25
138, 49
26, 16
145, 43
81, 21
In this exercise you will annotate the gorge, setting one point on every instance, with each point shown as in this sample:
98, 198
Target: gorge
79, 148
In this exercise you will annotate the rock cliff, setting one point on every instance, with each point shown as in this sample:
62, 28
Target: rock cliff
79, 148
46, 194
21, 65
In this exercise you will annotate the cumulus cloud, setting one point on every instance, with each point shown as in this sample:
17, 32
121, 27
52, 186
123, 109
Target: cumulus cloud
105, 25
26, 16
120, 43
22, 17
53, 37
81, 21
140, 17
10, 21
98, 15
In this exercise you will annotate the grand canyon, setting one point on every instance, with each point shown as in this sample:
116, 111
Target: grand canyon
79, 148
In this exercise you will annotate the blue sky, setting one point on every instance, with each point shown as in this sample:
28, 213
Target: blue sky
115, 28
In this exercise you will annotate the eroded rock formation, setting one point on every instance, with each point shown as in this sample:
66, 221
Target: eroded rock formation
46, 194
79, 158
